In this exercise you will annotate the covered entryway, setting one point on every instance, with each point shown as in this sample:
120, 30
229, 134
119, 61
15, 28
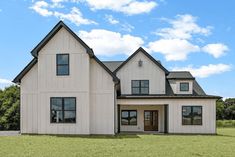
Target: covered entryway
150, 120
142, 118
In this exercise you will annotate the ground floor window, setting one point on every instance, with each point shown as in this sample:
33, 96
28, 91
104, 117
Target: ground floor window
63, 110
192, 115
129, 117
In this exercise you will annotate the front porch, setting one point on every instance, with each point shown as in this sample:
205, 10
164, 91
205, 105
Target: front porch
150, 119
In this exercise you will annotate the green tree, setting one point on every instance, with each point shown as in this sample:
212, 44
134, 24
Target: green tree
230, 108
10, 108
220, 109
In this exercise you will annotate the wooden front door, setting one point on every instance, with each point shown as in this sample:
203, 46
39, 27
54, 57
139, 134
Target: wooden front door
150, 120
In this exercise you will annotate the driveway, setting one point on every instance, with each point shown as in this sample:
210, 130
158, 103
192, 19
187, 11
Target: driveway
9, 133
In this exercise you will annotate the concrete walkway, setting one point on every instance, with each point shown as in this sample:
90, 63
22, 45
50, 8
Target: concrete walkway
9, 133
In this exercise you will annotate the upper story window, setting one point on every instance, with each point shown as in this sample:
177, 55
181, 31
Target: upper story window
140, 87
63, 110
184, 86
192, 115
62, 64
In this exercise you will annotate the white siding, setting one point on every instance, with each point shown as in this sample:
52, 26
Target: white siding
149, 71
102, 101
88, 82
140, 117
74, 85
29, 105
175, 113
175, 85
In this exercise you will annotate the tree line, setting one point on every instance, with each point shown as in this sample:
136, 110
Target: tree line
225, 109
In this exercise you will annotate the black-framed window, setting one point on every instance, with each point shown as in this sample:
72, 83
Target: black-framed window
140, 87
192, 115
62, 64
129, 117
184, 86
63, 110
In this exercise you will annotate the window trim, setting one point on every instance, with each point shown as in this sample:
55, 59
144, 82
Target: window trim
182, 89
57, 74
63, 110
129, 117
139, 87
191, 123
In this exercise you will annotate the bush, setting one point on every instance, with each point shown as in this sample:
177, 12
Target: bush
225, 123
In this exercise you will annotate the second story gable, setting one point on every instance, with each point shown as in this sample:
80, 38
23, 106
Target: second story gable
141, 74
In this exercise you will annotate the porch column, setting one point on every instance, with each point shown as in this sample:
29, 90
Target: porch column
118, 116
166, 118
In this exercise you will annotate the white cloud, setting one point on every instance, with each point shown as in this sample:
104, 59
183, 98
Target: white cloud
178, 41
127, 27
205, 70
41, 8
108, 43
57, 3
75, 16
111, 19
216, 50
183, 27
129, 7
5, 81
173, 49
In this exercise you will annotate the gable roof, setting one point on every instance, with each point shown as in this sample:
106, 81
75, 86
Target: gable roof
48, 37
25, 70
140, 49
52, 33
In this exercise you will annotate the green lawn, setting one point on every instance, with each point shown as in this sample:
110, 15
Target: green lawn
221, 145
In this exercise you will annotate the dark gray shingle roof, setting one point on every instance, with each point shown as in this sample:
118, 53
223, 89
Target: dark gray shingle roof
180, 75
112, 65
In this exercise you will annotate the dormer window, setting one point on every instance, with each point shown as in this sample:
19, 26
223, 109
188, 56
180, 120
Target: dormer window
184, 86
62, 64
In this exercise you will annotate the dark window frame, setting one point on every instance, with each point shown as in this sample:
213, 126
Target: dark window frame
182, 90
57, 65
139, 87
129, 117
63, 120
192, 117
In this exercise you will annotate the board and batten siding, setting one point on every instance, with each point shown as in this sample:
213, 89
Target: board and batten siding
148, 71
79, 83
29, 102
175, 85
101, 100
175, 113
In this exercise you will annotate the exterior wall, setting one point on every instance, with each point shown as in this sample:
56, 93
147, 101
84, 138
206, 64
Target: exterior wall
175, 113
29, 102
149, 71
102, 100
175, 85
76, 84
92, 86
140, 117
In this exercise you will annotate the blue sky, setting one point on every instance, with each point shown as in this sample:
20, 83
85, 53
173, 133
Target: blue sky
195, 35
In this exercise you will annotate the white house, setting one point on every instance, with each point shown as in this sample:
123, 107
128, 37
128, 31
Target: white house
66, 89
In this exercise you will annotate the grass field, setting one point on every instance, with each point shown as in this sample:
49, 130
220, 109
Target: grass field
221, 145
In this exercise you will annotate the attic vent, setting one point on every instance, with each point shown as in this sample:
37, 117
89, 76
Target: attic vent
140, 63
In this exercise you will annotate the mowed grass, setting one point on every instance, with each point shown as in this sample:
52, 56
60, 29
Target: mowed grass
221, 145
